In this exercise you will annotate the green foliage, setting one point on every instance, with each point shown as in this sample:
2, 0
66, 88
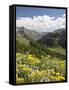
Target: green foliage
37, 63
58, 50
30, 69
19, 80
55, 39
38, 49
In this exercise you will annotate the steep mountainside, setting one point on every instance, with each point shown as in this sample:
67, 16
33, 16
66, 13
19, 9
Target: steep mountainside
54, 39
25, 45
29, 34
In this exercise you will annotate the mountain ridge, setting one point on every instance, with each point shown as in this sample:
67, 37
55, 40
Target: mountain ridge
29, 34
34, 35
58, 37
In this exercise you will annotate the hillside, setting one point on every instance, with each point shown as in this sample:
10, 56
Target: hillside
55, 39
37, 63
30, 34
26, 45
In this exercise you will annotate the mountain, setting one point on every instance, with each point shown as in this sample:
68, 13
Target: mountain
29, 34
54, 39
25, 45
50, 39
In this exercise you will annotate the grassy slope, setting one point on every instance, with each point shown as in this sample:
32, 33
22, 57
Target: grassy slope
58, 50
24, 45
45, 69
22, 39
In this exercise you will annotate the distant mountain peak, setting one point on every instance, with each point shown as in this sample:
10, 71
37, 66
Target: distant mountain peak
29, 33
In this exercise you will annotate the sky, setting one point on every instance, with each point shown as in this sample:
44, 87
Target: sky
40, 19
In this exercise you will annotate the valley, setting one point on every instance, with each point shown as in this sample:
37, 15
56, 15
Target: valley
40, 57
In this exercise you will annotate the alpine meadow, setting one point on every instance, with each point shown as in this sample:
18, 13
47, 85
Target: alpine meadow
40, 45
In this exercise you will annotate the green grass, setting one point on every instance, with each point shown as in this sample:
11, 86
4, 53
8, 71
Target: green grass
22, 39
30, 69
58, 50
37, 63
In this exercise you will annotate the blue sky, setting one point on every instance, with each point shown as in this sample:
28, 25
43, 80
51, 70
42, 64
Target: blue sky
32, 11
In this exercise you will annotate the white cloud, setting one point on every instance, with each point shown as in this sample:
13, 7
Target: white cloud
43, 23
